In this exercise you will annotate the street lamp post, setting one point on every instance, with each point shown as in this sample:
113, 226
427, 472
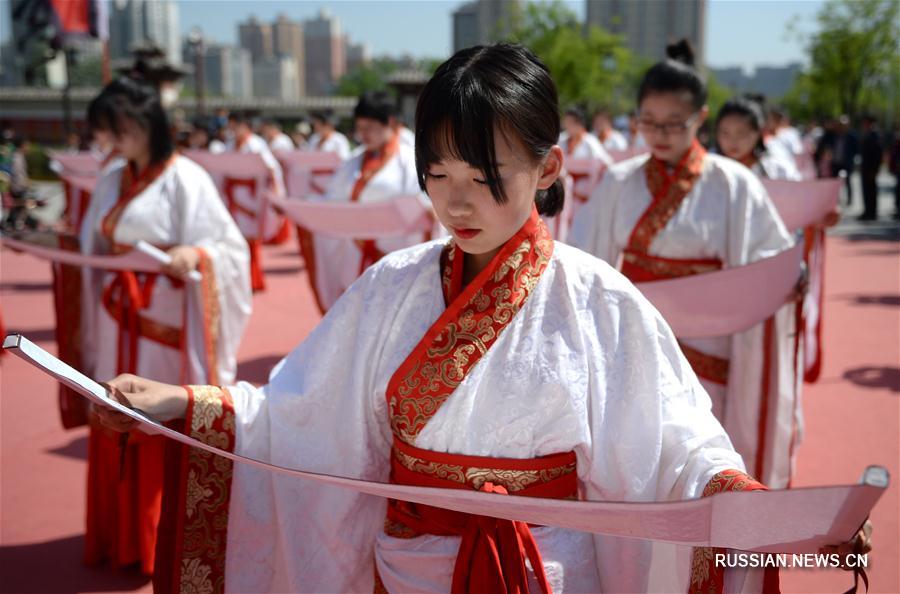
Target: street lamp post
195, 38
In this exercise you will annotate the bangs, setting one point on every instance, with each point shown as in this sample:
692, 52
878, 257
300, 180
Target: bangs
455, 119
105, 112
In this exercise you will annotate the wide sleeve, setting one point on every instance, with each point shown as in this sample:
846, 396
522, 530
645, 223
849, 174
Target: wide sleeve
756, 230
653, 435
219, 305
593, 226
319, 412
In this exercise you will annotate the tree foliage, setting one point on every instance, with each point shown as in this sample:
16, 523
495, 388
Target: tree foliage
590, 66
368, 77
854, 63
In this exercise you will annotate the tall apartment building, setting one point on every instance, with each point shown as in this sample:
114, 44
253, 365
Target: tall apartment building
142, 22
287, 40
256, 38
325, 58
648, 25
481, 21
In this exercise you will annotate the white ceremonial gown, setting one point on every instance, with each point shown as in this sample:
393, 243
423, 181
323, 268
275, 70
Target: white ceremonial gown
338, 260
335, 143
180, 207
587, 365
589, 148
250, 225
727, 215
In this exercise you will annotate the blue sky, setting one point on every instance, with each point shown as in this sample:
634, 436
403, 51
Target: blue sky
739, 32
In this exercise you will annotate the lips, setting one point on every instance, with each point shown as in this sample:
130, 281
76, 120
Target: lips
466, 233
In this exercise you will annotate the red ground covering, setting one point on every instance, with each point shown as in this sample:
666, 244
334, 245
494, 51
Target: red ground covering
852, 415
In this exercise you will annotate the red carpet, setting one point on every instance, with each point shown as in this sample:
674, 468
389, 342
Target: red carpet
852, 415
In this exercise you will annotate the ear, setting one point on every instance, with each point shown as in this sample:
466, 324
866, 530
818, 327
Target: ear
551, 168
704, 113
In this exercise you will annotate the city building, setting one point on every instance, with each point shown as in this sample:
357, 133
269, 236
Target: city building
648, 26
325, 59
771, 81
482, 21
134, 23
256, 38
276, 78
287, 40
357, 54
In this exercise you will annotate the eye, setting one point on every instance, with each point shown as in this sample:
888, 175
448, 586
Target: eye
435, 175
482, 182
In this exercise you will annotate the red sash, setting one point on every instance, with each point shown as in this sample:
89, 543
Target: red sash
668, 192
372, 163
492, 552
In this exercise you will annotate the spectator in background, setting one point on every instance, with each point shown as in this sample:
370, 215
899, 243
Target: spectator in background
326, 138
872, 153
846, 146
635, 139
302, 133
275, 137
894, 166
612, 139
783, 132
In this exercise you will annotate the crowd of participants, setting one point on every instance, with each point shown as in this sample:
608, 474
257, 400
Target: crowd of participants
665, 206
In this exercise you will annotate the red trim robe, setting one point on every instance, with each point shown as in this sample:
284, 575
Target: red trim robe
372, 163
125, 487
493, 552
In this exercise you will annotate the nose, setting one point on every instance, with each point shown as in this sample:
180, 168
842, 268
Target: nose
459, 204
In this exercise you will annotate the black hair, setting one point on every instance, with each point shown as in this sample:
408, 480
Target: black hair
477, 91
325, 116
241, 117
676, 74
376, 105
578, 114
138, 101
753, 113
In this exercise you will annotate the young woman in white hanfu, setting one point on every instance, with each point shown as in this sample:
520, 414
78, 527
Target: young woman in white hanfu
157, 325
681, 211
498, 360
384, 169
740, 126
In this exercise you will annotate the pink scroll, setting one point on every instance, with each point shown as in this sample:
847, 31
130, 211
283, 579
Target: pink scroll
727, 301
628, 153
82, 163
803, 203
307, 172
144, 258
784, 521
403, 215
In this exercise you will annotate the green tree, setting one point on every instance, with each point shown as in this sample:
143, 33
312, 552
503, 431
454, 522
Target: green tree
853, 57
591, 67
369, 77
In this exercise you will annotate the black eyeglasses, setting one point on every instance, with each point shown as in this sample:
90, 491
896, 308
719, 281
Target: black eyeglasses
667, 129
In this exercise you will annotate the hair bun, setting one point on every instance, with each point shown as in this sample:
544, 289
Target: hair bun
681, 51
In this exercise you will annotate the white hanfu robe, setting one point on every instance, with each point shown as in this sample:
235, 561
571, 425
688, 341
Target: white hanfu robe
770, 166
248, 212
614, 141
186, 332
180, 207
726, 216
335, 143
589, 147
587, 365
338, 261
281, 142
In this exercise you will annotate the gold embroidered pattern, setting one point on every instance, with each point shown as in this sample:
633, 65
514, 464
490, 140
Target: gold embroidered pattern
207, 407
668, 193
669, 268
462, 339
195, 493
449, 472
195, 577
